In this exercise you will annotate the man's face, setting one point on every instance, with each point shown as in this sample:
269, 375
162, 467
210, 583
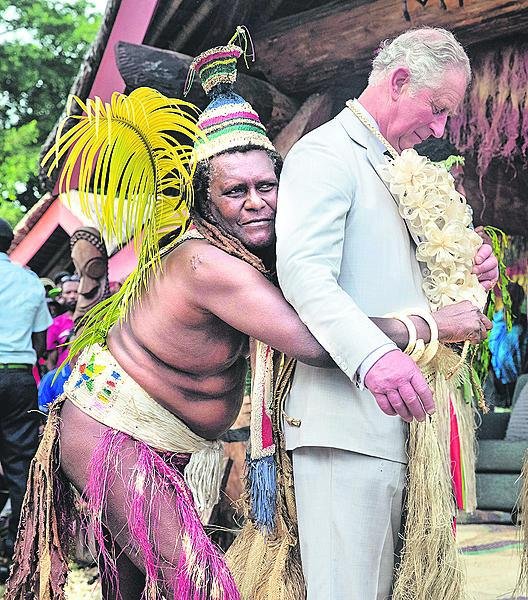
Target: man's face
422, 114
243, 196
69, 293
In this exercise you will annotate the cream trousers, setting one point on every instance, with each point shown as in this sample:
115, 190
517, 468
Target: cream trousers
349, 513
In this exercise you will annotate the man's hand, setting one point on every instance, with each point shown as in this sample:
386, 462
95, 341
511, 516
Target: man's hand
486, 265
461, 322
399, 387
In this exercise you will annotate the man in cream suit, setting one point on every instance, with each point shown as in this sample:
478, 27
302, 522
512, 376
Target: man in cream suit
345, 259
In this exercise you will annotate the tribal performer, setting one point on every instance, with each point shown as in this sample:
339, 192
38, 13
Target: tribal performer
161, 364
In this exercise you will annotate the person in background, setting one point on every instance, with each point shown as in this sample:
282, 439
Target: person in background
508, 348
63, 325
51, 386
24, 319
56, 291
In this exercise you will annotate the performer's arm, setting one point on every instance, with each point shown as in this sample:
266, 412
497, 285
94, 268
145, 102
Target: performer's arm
456, 323
239, 295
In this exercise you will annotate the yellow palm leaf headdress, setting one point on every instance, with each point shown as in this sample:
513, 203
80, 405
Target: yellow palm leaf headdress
135, 159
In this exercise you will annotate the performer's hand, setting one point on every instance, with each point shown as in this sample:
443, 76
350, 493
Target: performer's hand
399, 387
486, 265
461, 322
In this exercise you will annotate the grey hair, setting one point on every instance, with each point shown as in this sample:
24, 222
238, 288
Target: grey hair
427, 52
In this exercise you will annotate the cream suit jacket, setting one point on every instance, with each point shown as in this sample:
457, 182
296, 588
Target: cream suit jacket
343, 252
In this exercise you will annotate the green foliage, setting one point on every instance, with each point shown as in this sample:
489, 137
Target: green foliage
19, 151
482, 357
499, 243
12, 212
452, 160
42, 44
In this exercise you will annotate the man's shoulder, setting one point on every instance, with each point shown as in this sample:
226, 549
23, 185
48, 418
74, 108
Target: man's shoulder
23, 276
30, 276
329, 140
198, 259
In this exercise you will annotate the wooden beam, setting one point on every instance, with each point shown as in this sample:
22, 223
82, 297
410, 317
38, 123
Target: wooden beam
314, 112
199, 15
304, 52
166, 72
162, 18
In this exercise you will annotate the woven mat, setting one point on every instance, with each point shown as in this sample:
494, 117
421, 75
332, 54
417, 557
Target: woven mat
490, 554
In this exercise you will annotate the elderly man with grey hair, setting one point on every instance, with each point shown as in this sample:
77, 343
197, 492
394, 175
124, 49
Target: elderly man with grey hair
345, 258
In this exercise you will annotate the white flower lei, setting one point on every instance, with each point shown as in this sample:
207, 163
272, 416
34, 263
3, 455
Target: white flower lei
440, 218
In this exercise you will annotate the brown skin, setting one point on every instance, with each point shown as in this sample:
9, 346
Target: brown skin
186, 343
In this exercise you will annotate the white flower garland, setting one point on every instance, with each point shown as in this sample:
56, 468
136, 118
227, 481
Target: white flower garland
440, 218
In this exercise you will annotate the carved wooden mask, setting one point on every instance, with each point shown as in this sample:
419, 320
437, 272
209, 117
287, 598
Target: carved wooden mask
90, 258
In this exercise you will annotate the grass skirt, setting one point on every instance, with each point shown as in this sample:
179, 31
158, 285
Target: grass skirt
41, 555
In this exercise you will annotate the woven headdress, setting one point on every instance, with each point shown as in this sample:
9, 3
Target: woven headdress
229, 121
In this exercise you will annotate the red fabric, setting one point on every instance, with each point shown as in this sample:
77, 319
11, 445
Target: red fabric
267, 430
456, 461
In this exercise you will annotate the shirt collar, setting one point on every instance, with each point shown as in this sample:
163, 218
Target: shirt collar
4, 257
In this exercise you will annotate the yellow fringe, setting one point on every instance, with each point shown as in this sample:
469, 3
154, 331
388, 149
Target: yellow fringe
430, 567
521, 588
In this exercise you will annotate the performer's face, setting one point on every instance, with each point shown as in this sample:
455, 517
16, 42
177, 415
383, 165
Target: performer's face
416, 116
243, 196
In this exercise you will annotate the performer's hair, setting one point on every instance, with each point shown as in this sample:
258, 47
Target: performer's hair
201, 209
428, 52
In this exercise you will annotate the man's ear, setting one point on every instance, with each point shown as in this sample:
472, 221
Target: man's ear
398, 81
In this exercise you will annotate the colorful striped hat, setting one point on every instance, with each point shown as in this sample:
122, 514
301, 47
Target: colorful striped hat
228, 121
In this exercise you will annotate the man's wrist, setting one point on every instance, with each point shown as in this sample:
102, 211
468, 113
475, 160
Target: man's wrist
370, 361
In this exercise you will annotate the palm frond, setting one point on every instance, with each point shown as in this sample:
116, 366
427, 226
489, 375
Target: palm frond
136, 153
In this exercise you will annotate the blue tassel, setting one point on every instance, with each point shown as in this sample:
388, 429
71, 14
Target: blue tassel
262, 480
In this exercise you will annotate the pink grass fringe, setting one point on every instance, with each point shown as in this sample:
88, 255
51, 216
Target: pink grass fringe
493, 123
201, 572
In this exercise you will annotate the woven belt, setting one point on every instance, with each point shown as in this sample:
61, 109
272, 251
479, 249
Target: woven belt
15, 366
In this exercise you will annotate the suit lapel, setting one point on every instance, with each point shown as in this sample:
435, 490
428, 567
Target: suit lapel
362, 136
